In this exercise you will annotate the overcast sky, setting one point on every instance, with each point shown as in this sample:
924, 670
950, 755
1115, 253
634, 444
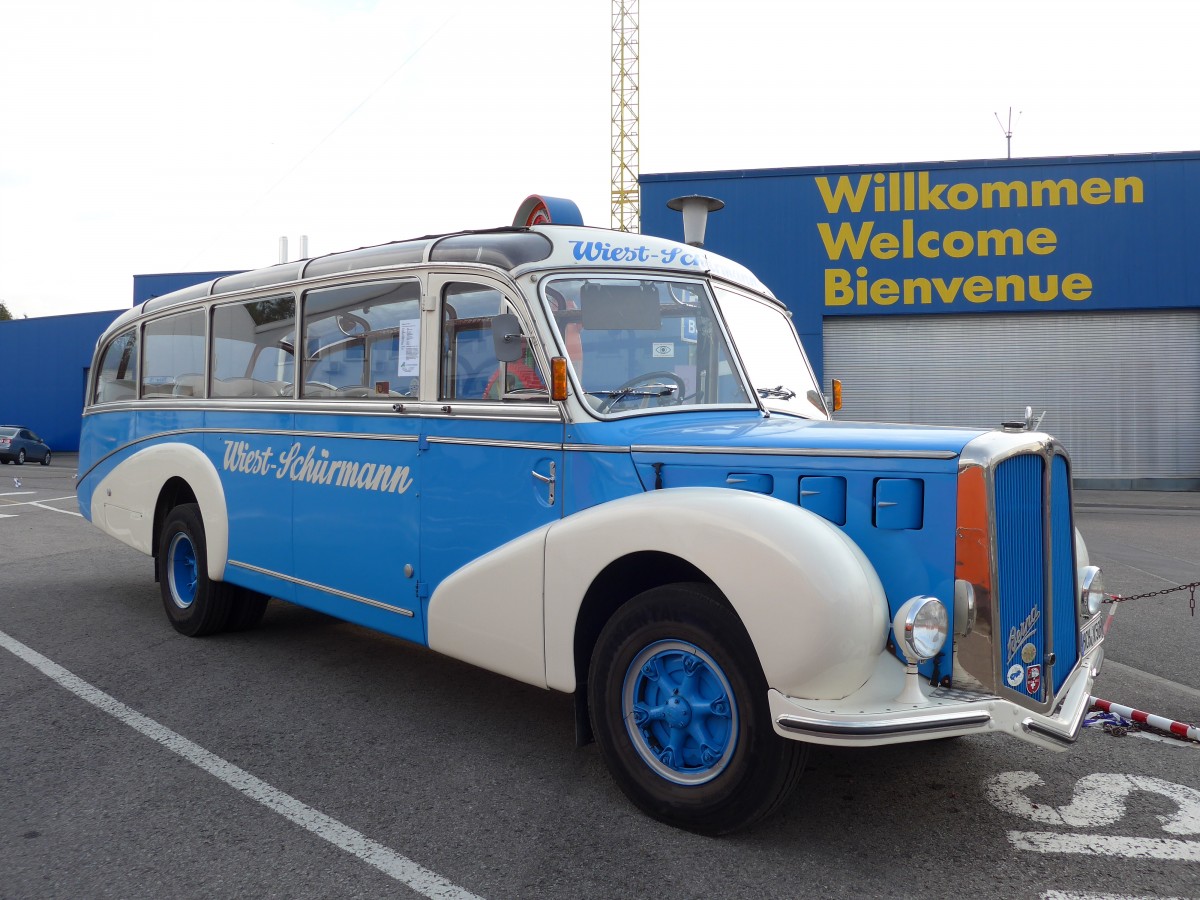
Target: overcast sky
141, 136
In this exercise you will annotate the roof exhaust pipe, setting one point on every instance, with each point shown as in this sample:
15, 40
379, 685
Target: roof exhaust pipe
695, 209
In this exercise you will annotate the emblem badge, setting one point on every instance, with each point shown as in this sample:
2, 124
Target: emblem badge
1033, 679
1028, 653
1016, 674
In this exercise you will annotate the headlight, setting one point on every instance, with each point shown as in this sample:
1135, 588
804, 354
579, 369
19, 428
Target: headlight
920, 627
1091, 590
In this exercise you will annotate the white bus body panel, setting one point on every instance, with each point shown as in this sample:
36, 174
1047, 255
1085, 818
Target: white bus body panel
124, 500
812, 603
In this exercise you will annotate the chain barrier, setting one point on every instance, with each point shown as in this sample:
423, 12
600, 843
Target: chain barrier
1190, 588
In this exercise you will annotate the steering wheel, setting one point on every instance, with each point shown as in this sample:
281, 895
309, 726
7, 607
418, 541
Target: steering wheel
616, 396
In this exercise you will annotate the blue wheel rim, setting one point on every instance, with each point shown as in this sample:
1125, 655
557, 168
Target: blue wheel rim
182, 571
680, 712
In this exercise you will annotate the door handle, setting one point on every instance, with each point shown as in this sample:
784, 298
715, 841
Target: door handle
548, 480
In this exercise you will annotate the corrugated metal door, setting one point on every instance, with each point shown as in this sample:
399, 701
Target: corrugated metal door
1120, 390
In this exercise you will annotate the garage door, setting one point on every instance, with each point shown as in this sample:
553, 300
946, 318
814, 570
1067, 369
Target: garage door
1121, 390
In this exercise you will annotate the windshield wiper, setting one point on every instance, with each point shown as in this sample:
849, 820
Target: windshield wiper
778, 391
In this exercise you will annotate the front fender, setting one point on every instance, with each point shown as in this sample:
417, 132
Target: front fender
124, 500
811, 601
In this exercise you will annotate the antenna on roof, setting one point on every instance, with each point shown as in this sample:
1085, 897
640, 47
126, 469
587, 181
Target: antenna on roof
1008, 132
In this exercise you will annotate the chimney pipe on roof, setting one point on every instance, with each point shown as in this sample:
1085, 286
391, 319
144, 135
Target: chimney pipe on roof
695, 209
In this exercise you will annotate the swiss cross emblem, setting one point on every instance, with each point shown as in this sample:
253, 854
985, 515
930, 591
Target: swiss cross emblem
1033, 679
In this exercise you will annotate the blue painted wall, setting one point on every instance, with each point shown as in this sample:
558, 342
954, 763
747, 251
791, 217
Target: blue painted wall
1029, 235
45, 366
45, 362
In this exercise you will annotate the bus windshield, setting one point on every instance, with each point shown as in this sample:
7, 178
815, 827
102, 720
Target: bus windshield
642, 344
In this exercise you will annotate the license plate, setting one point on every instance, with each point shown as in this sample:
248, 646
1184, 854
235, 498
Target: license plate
1091, 634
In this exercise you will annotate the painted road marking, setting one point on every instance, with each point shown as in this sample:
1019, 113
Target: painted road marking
42, 504
1099, 800
55, 509
386, 860
8, 515
1075, 895
18, 493
1107, 845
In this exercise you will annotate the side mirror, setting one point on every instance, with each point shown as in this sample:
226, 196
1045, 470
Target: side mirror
506, 337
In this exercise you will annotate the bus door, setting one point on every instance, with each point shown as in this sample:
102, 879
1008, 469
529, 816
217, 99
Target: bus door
352, 462
492, 446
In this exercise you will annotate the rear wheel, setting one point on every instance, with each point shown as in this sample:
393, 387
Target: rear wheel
679, 709
194, 604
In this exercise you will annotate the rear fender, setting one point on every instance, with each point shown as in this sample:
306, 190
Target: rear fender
124, 500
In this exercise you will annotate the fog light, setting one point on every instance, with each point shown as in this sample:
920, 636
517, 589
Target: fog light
1091, 590
920, 628
964, 606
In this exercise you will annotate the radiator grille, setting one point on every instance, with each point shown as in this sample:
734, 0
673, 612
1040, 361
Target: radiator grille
1023, 607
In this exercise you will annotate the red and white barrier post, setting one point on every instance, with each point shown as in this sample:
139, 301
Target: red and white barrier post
1180, 729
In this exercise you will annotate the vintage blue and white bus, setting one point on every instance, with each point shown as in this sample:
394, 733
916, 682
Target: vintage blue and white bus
598, 463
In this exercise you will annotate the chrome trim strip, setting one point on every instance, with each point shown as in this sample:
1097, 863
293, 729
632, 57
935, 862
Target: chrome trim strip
328, 406
917, 724
320, 587
798, 451
1035, 727
596, 448
500, 444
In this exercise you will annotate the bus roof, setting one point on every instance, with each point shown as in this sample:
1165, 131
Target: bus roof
515, 250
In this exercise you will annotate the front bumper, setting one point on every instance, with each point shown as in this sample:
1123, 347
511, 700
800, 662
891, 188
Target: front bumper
872, 716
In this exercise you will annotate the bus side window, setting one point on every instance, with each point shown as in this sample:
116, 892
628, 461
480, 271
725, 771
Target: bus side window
469, 368
174, 355
117, 379
252, 352
362, 340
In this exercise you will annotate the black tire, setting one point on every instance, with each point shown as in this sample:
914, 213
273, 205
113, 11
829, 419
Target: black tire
46, 459
195, 605
682, 643
21, 457
246, 608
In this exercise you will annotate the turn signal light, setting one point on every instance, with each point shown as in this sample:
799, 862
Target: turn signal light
558, 378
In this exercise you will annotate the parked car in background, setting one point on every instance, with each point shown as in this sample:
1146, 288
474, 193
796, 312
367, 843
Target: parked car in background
18, 444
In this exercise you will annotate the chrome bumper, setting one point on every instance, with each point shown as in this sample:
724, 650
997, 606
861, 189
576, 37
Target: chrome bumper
871, 717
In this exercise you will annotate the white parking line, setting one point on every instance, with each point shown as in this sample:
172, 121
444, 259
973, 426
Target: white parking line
69, 512
1074, 895
1107, 845
392, 864
42, 503
18, 493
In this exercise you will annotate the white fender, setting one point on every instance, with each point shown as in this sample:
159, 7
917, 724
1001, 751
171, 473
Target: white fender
489, 612
123, 501
1082, 559
811, 601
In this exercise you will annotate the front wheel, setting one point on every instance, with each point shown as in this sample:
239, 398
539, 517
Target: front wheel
195, 605
21, 457
679, 709
46, 459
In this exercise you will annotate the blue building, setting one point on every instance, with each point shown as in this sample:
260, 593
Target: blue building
47, 360
963, 292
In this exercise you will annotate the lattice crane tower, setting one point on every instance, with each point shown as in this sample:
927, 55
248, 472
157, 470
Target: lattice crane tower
626, 201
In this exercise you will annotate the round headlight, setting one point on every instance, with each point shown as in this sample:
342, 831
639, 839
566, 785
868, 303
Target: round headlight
920, 627
1091, 590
